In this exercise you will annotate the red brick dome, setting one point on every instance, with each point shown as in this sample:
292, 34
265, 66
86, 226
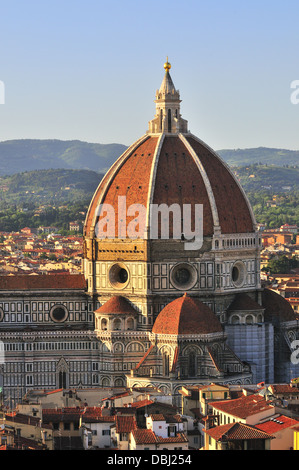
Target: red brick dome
175, 170
186, 316
117, 305
169, 165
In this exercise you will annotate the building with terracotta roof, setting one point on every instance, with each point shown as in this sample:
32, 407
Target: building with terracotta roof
170, 292
281, 428
237, 436
16, 427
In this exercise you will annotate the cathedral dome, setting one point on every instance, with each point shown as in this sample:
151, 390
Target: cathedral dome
186, 316
117, 305
169, 165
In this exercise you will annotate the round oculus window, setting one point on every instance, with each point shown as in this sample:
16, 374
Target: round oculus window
119, 276
183, 276
238, 274
58, 313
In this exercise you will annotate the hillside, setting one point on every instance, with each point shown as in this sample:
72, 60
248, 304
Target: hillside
268, 178
261, 155
60, 185
48, 187
59, 196
27, 155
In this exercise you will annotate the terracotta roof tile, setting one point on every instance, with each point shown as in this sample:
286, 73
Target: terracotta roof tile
186, 315
244, 406
179, 438
130, 179
278, 389
144, 436
244, 302
44, 281
125, 424
276, 307
277, 424
178, 181
117, 305
237, 431
233, 210
141, 403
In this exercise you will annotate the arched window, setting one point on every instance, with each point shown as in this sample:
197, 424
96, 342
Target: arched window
161, 119
62, 380
104, 324
166, 364
169, 120
130, 324
117, 324
192, 364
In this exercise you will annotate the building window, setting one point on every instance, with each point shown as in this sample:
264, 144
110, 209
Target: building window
59, 313
183, 276
29, 380
119, 276
169, 120
192, 364
166, 364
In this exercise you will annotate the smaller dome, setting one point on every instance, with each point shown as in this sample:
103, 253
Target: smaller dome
277, 308
243, 302
186, 316
117, 305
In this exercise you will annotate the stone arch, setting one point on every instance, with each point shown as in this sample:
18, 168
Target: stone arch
119, 382
191, 354
192, 348
135, 346
164, 388
136, 384
130, 324
105, 382
235, 320
116, 324
62, 373
103, 323
118, 347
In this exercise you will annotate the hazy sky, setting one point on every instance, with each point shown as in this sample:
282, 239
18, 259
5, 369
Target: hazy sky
89, 70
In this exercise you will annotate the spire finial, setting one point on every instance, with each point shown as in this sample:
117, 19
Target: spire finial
167, 65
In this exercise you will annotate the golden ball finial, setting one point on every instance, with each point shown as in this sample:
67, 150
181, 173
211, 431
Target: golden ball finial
167, 65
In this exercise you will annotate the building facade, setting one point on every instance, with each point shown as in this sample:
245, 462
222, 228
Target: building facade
171, 289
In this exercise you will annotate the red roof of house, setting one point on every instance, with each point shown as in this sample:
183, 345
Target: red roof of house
236, 431
125, 423
244, 406
43, 281
144, 436
141, 403
185, 316
278, 389
277, 424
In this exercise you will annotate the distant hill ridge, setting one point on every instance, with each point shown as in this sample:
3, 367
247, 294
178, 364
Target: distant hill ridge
17, 156
260, 155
